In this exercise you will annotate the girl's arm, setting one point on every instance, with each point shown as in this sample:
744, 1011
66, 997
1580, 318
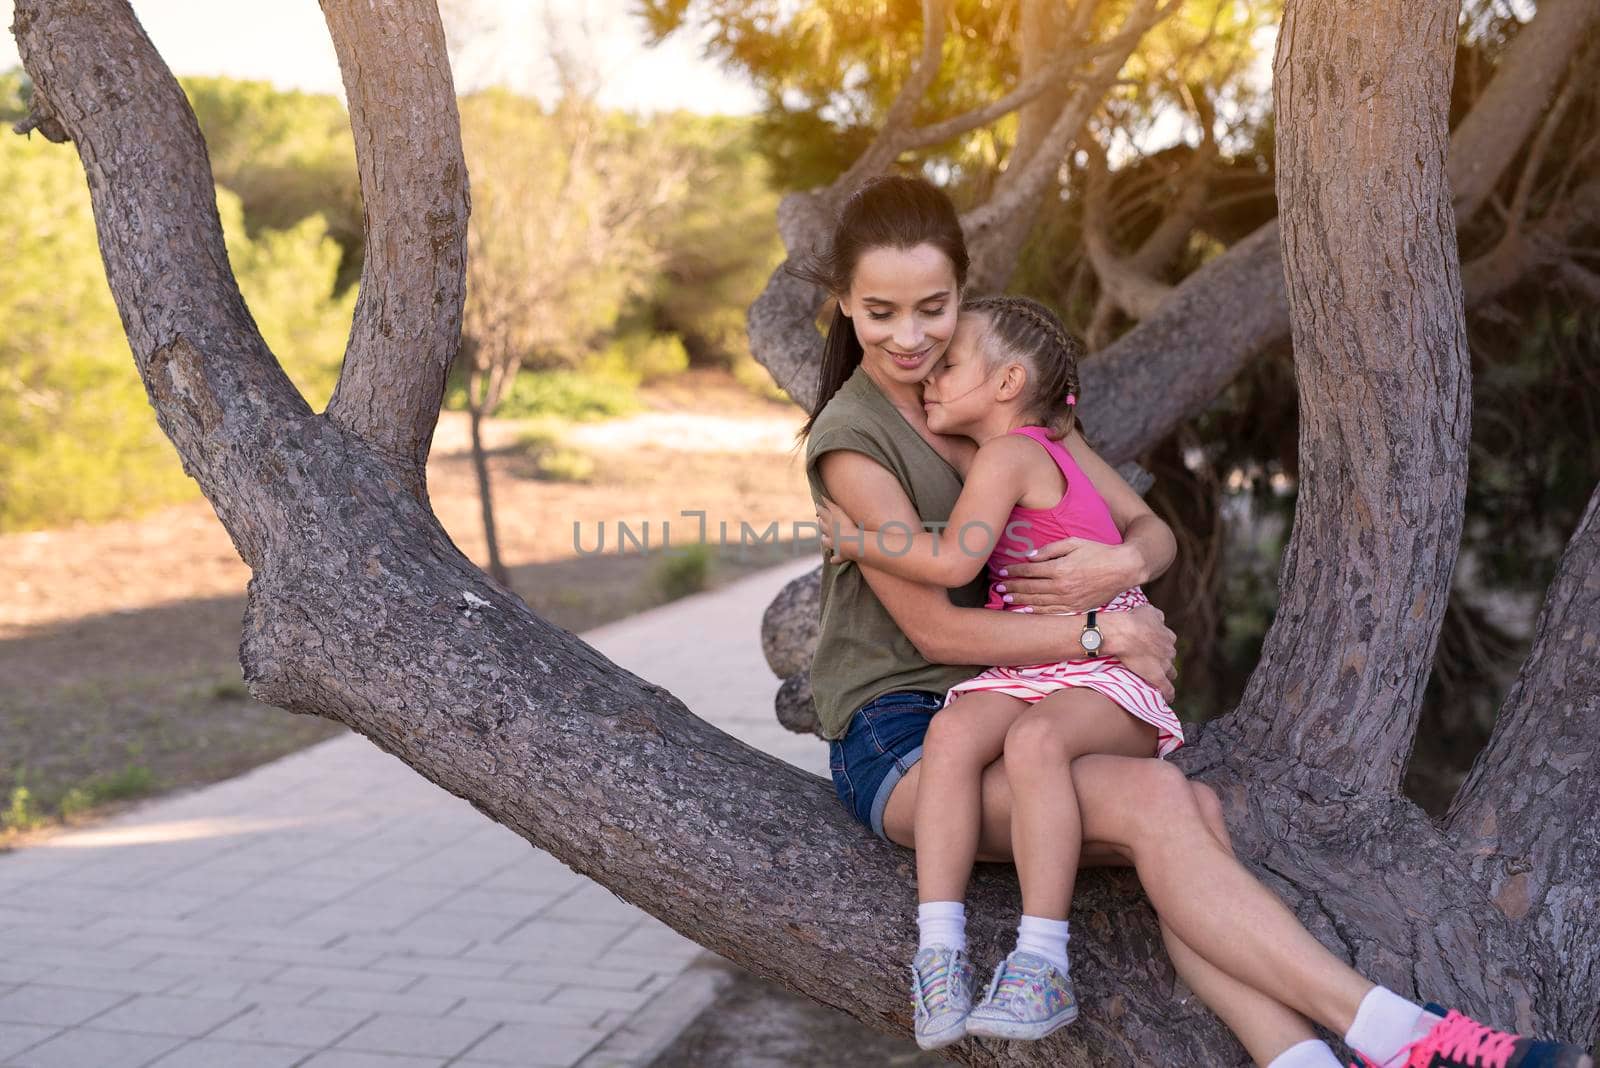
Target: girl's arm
951, 557
947, 634
1075, 575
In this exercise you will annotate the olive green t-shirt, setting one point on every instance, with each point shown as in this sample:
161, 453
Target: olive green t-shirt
861, 651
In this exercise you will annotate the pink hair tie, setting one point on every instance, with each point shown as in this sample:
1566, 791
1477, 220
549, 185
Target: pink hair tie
1072, 398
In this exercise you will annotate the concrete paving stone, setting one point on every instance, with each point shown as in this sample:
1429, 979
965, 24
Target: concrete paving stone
416, 1035
139, 982
523, 1012
349, 1058
53, 935
526, 877
169, 946
502, 902
16, 1037
160, 926
293, 1025
348, 978
20, 972
399, 897
596, 938
82, 1047
403, 944
604, 978
352, 915
119, 874
39, 953
216, 1053
603, 1059
421, 965
658, 940
591, 997
220, 969
267, 934
527, 1045
253, 909
378, 1001
345, 867
665, 965
41, 913
212, 882
58, 1005
444, 923
248, 994
463, 986
154, 1014
300, 888
335, 956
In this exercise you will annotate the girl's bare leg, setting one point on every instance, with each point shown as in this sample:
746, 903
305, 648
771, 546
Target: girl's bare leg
1046, 836
1264, 1026
962, 740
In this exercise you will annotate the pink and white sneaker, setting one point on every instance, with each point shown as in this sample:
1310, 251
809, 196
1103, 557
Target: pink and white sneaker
1458, 1041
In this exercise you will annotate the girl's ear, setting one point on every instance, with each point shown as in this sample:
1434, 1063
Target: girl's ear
1013, 381
844, 305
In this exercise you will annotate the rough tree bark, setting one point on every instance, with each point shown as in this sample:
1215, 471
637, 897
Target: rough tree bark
361, 609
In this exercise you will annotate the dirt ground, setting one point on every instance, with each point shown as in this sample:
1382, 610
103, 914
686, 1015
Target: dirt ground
119, 669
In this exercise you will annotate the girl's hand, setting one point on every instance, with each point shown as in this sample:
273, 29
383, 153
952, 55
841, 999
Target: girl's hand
839, 532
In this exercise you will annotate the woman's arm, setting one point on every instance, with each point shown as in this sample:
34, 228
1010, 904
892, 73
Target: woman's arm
1074, 574
947, 634
955, 555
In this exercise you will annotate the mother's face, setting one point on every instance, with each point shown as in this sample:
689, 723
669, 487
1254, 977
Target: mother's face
902, 303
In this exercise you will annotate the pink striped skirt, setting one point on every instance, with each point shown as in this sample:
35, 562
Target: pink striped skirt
1104, 675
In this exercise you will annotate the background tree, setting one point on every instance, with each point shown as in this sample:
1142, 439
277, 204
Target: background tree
361, 609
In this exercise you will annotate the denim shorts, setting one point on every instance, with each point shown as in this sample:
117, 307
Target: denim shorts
882, 742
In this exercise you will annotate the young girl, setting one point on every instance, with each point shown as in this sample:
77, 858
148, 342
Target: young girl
1009, 381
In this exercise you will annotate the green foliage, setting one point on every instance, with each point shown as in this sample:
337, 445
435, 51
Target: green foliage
685, 570
78, 440
566, 394
135, 780
551, 460
22, 812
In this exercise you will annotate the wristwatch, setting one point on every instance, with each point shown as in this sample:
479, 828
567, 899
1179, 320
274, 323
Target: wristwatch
1091, 638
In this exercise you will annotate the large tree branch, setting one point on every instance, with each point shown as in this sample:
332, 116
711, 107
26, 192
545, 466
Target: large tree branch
1235, 308
1490, 136
1525, 248
414, 191
1526, 814
216, 388
1384, 378
891, 138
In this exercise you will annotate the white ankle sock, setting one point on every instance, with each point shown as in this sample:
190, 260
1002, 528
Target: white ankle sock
942, 923
1386, 1024
1048, 938
1312, 1053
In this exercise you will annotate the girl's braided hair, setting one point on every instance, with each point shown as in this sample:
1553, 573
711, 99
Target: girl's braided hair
1028, 332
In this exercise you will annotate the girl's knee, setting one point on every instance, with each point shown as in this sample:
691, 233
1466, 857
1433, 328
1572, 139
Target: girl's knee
955, 739
1035, 739
1211, 813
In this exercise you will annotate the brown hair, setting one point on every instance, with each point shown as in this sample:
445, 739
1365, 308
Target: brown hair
1024, 330
887, 212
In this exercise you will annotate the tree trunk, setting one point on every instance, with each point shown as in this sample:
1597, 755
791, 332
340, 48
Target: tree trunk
1384, 376
360, 609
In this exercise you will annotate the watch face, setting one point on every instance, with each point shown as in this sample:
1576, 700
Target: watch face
1091, 640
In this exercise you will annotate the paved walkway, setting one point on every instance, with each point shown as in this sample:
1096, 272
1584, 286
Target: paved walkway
336, 910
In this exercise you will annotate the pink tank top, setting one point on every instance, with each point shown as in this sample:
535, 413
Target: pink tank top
1080, 513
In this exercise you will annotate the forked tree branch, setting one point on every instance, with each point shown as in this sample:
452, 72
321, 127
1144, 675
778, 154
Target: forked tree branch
890, 141
414, 190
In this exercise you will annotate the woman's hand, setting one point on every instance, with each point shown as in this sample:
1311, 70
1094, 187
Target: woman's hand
1141, 640
1073, 575
839, 532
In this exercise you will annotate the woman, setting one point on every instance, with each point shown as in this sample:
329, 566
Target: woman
889, 648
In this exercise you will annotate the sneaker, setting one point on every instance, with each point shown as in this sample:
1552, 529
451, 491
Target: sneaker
1458, 1041
941, 994
1028, 998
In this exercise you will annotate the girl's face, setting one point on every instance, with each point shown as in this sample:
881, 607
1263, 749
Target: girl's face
902, 303
960, 392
